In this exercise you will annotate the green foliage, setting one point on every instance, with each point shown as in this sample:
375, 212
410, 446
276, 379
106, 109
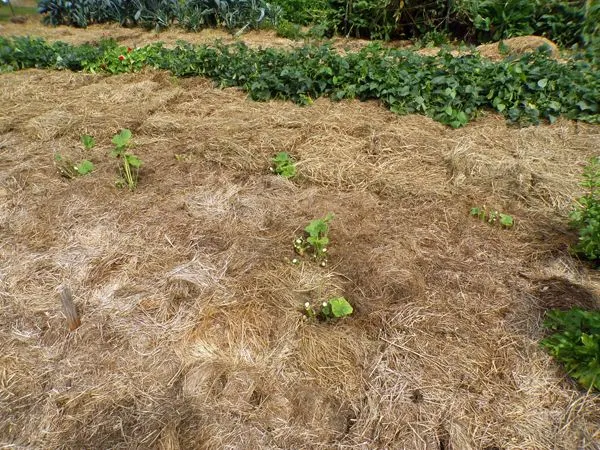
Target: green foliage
88, 141
283, 165
130, 163
585, 217
70, 170
334, 308
289, 30
493, 217
304, 12
559, 20
159, 14
316, 239
451, 90
575, 343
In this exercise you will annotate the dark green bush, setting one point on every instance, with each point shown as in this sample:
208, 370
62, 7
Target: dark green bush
575, 343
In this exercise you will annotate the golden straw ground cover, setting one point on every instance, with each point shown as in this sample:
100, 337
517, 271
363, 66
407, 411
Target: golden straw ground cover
192, 328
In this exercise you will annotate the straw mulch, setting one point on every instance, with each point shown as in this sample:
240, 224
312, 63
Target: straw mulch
192, 334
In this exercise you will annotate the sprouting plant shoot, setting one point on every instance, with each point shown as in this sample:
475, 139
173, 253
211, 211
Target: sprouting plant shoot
70, 170
130, 163
334, 308
88, 141
493, 217
316, 239
283, 165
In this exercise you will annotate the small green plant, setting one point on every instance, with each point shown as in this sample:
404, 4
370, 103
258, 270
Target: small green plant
493, 217
130, 163
88, 141
283, 165
585, 217
316, 239
334, 308
70, 170
575, 343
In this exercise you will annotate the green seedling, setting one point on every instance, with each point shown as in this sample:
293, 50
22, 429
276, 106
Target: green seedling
70, 170
88, 141
334, 308
315, 240
493, 217
283, 165
130, 163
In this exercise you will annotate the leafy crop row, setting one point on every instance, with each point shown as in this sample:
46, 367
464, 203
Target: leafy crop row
565, 21
448, 89
191, 14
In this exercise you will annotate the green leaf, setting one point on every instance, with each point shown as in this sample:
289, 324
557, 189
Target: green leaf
340, 307
88, 141
506, 220
122, 139
542, 83
319, 227
133, 160
84, 167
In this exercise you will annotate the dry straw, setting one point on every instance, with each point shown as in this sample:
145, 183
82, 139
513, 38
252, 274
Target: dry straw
191, 333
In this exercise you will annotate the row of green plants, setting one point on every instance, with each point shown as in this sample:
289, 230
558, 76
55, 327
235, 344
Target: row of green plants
564, 21
192, 15
450, 90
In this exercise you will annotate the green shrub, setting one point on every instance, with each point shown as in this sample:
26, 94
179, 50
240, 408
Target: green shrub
288, 30
304, 12
585, 217
562, 21
576, 344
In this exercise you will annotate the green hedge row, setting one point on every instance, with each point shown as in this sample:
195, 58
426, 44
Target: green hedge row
448, 89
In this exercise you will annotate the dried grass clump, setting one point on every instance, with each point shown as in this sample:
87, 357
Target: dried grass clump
518, 46
192, 334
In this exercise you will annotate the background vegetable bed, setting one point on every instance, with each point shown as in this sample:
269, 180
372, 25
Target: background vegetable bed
449, 89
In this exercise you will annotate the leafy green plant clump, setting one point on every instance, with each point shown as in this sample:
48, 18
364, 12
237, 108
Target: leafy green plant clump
451, 90
493, 217
334, 308
283, 165
130, 163
575, 343
585, 217
158, 14
316, 239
